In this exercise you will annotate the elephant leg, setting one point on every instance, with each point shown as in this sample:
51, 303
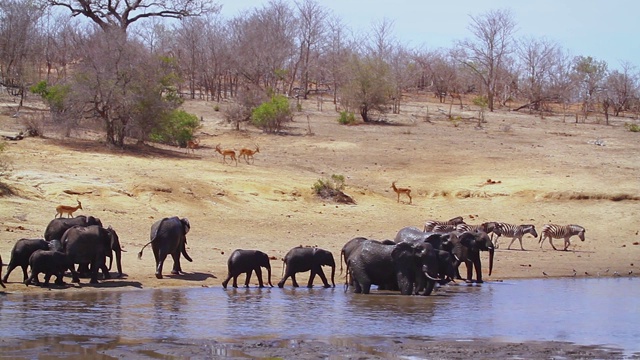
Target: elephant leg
293, 280
226, 281
160, 257
311, 277
59, 277
105, 272
177, 269
94, 272
47, 277
247, 278
283, 280
74, 274
478, 265
259, 275
323, 278
24, 273
469, 266
429, 288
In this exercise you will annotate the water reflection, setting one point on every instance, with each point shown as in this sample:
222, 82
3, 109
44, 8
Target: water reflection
584, 311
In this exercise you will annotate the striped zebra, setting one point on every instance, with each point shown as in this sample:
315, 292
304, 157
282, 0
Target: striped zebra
430, 224
553, 231
515, 232
440, 228
487, 227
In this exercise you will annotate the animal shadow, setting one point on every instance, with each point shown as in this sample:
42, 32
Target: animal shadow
194, 276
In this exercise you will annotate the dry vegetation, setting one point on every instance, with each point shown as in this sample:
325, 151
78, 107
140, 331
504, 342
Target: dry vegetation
514, 168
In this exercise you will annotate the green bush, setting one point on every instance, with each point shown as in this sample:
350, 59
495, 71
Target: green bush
271, 115
335, 182
632, 127
54, 95
346, 118
176, 128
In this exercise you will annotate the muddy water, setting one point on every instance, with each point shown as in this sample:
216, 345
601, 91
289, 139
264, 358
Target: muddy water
602, 311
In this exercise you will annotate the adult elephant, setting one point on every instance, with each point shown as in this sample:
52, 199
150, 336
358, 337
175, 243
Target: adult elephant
374, 263
92, 245
353, 244
1, 282
168, 237
301, 259
58, 226
463, 247
247, 261
20, 253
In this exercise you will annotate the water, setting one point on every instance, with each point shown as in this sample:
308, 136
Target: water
603, 311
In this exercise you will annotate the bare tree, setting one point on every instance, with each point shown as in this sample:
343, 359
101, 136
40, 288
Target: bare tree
336, 55
311, 18
622, 87
109, 14
20, 46
589, 75
537, 60
486, 54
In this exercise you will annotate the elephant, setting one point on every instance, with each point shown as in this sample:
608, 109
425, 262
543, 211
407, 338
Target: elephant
91, 245
58, 226
49, 262
463, 247
168, 237
301, 259
1, 282
22, 250
375, 263
247, 261
352, 244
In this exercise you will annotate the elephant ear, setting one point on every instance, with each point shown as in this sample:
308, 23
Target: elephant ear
401, 250
186, 225
468, 239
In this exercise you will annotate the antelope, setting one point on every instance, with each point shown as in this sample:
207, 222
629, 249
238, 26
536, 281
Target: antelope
248, 153
193, 145
401, 191
225, 153
455, 96
69, 210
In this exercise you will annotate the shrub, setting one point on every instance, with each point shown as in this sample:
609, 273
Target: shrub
271, 115
632, 127
346, 118
176, 128
54, 95
216, 108
335, 182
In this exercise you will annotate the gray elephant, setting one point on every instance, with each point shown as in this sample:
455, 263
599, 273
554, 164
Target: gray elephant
49, 262
301, 259
92, 245
463, 247
20, 254
247, 261
353, 244
168, 237
1, 282
375, 263
56, 227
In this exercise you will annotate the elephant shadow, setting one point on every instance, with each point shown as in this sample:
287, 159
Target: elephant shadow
194, 276
114, 284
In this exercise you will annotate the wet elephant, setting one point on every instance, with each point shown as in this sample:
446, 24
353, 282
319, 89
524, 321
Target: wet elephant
92, 245
168, 237
375, 263
301, 259
247, 261
20, 254
56, 227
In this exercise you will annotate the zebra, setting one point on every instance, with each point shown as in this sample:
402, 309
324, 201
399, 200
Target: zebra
514, 231
553, 231
441, 228
487, 227
430, 224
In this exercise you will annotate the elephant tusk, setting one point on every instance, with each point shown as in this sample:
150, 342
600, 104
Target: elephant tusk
430, 277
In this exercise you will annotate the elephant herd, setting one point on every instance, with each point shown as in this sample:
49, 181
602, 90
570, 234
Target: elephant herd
413, 263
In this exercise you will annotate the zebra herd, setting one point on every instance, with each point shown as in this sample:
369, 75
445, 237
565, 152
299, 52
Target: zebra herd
549, 231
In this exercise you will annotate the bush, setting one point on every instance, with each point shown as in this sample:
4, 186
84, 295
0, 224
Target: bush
335, 182
270, 116
632, 127
54, 95
346, 118
176, 128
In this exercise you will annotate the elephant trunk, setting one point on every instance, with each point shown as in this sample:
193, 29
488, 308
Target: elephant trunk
491, 251
184, 252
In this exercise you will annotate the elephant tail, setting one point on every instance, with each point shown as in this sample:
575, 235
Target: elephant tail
341, 256
145, 245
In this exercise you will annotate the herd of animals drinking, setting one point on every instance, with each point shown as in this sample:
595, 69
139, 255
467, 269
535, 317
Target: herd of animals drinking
412, 263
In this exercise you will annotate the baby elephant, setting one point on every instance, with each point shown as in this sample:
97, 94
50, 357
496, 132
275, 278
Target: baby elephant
247, 261
48, 262
302, 259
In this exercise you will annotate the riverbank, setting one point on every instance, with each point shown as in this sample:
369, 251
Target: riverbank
515, 168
